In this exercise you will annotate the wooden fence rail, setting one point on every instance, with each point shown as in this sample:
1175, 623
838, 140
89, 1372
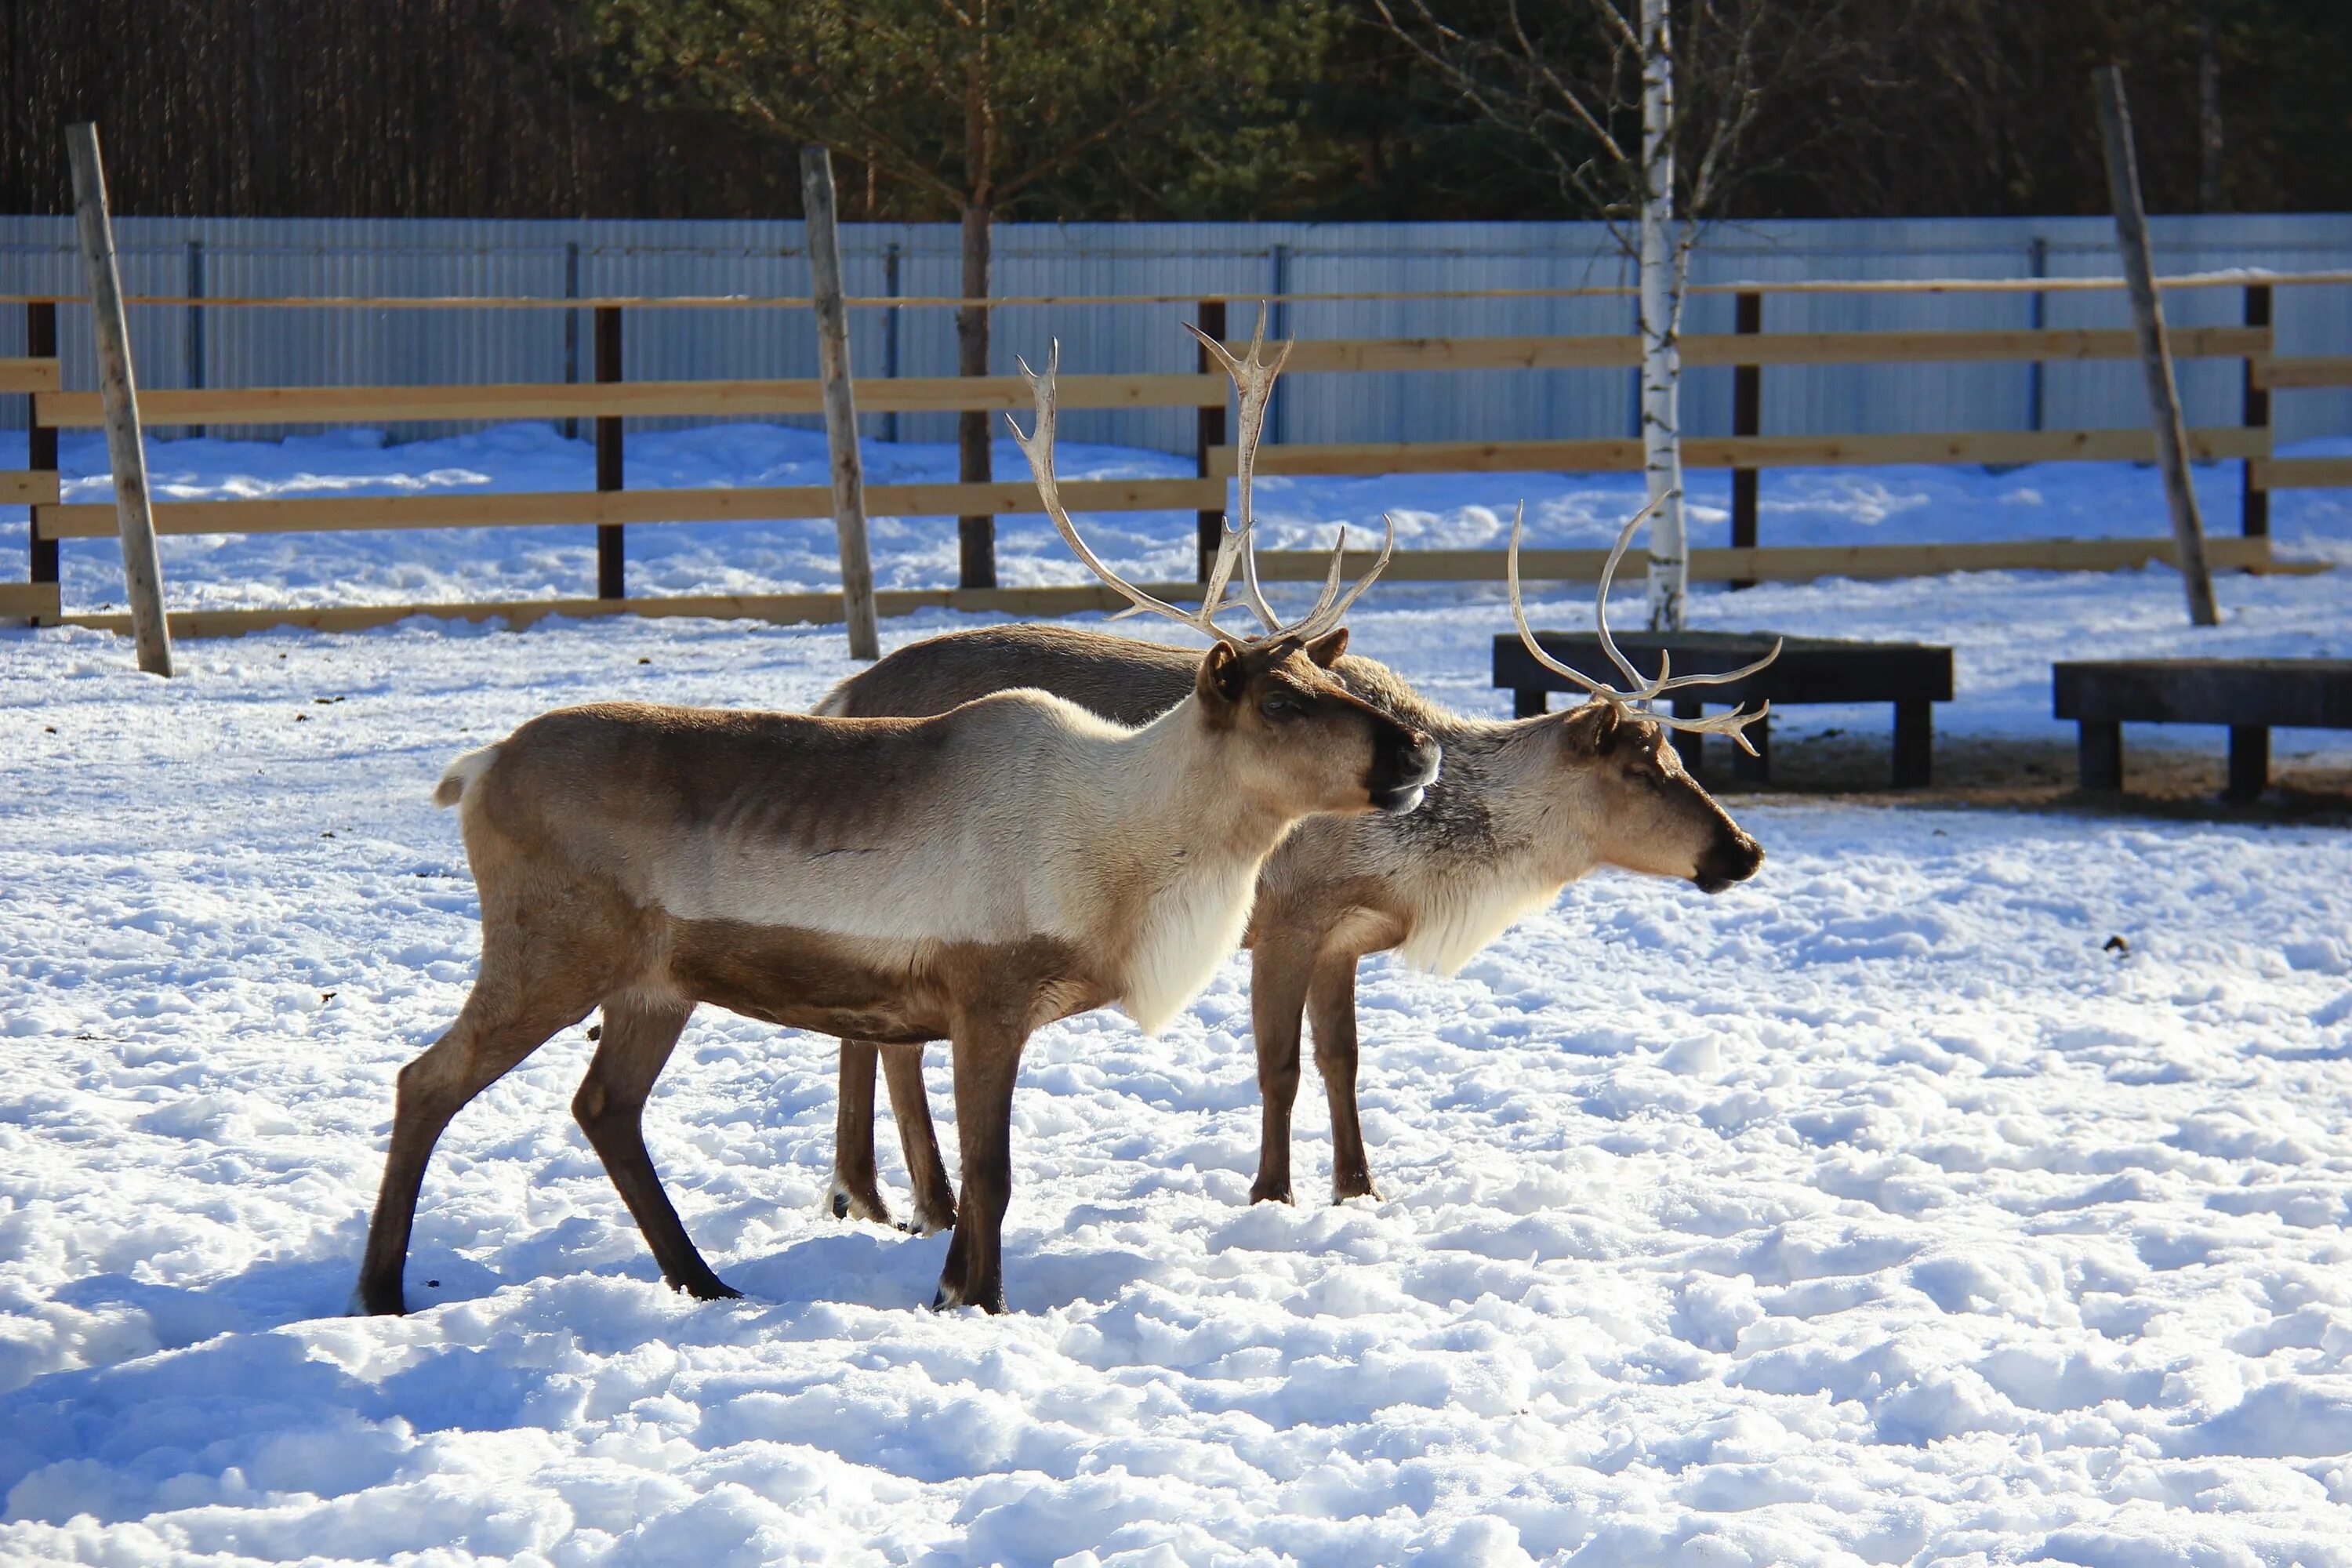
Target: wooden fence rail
619, 399
612, 507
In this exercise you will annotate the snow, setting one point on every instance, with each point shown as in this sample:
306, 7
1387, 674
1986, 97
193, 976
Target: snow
1875, 1211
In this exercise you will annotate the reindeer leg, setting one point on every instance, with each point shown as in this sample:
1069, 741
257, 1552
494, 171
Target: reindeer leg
1278, 982
911, 1106
495, 1029
610, 1108
1331, 1009
987, 1061
856, 1193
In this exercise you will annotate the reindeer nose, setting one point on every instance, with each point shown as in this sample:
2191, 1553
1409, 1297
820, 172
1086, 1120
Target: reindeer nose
1404, 763
1732, 858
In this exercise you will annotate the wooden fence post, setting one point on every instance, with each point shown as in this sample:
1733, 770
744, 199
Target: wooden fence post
2156, 355
1208, 431
612, 559
142, 570
1747, 419
41, 440
840, 401
2254, 501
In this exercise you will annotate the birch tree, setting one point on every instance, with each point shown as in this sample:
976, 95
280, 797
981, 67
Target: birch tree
1595, 91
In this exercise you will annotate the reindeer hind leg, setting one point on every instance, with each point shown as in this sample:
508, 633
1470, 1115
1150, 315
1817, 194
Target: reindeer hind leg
1331, 1012
1279, 976
495, 1030
639, 1036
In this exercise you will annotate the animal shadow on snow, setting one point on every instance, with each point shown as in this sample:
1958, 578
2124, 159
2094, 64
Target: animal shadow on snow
866, 1265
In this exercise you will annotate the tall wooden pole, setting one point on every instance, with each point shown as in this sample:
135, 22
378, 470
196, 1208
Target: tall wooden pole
840, 401
2155, 353
143, 572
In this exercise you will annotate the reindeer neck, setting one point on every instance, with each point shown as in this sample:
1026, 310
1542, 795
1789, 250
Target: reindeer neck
1186, 846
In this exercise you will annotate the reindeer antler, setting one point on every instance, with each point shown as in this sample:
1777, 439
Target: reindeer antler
1253, 380
1646, 691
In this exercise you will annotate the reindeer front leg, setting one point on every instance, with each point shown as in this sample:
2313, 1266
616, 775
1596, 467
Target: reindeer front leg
910, 1107
1331, 1012
856, 1192
1278, 981
987, 1061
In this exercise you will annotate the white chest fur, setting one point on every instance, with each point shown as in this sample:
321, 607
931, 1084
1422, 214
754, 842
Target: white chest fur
1191, 923
1453, 918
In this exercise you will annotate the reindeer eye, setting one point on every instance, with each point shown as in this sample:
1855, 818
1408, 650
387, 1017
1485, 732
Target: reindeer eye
1282, 705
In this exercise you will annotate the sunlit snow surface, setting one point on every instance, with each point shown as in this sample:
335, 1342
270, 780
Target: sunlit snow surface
1870, 1211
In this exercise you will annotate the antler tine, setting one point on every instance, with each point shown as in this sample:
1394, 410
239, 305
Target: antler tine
1037, 445
1725, 678
1526, 633
1643, 689
1326, 613
1253, 380
1734, 724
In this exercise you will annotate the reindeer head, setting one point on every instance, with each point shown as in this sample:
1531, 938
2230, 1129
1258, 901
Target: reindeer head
1644, 812
1291, 738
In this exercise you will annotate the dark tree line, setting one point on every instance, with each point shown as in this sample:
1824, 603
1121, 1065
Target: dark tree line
527, 109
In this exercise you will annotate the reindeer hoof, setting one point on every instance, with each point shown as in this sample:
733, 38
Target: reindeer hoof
1262, 1192
849, 1204
925, 1222
367, 1303
709, 1288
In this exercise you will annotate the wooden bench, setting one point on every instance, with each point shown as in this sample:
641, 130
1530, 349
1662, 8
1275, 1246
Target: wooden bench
2250, 696
1912, 676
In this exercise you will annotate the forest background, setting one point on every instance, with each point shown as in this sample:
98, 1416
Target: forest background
1306, 110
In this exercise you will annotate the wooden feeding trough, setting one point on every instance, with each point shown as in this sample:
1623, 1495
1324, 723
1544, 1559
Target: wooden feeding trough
1914, 677
2250, 696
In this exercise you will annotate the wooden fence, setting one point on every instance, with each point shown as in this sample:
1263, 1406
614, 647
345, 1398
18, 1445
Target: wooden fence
612, 506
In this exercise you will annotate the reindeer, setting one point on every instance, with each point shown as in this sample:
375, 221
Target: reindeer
1524, 808
969, 878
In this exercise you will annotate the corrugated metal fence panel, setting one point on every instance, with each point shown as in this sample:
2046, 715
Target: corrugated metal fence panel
549, 259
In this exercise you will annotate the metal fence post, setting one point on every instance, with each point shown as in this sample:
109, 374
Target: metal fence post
2037, 316
2254, 501
571, 328
890, 334
1209, 430
1747, 419
41, 440
1279, 402
196, 340
611, 562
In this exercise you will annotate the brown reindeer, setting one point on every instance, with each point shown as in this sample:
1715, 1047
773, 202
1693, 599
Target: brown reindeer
1523, 809
966, 877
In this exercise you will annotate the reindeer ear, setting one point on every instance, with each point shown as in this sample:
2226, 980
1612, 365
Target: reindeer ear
1326, 650
1223, 678
1591, 727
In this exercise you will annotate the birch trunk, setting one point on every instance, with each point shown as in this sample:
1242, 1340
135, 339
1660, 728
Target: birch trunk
1662, 447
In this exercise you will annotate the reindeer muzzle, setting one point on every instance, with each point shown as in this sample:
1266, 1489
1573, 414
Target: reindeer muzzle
1732, 858
1404, 764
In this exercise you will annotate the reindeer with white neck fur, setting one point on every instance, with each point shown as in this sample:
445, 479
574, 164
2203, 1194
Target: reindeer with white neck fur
968, 877
1524, 808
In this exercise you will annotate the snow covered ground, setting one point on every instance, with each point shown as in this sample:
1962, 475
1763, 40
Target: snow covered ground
1879, 1210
